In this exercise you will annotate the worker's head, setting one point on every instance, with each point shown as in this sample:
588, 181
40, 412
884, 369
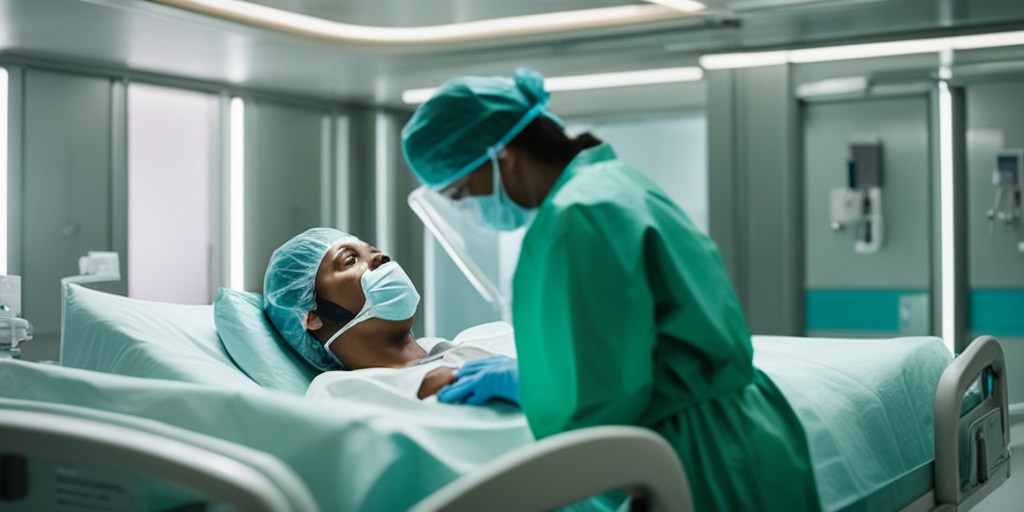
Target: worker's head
340, 302
490, 141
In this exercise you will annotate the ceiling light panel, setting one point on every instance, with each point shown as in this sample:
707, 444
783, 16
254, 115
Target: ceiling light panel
417, 13
480, 30
861, 51
681, 5
594, 81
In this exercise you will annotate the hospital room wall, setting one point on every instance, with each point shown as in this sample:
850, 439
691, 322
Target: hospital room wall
69, 178
760, 188
758, 181
882, 293
754, 193
65, 140
995, 262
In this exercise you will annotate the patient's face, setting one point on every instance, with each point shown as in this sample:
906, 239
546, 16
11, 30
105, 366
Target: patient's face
375, 342
338, 278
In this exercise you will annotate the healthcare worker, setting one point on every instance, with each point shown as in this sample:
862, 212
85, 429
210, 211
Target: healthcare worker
622, 309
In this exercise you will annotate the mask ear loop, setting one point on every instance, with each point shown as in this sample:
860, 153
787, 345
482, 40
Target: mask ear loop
494, 153
366, 312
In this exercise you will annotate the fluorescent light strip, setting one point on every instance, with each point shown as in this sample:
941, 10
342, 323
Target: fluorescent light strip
513, 26
744, 60
341, 173
948, 242
625, 79
688, 6
595, 81
236, 186
861, 51
382, 183
4, 200
429, 284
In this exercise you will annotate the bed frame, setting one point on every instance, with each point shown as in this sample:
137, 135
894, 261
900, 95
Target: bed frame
569, 467
61, 457
972, 458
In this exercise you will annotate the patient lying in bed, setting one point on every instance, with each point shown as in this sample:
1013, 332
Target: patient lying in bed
343, 304
424, 377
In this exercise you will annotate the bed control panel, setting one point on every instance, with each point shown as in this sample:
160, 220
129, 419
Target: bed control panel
984, 436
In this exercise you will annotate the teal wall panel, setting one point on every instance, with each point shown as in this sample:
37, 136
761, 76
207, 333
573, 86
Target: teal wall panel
883, 311
997, 312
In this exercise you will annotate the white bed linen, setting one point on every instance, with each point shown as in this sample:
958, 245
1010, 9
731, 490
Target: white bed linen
402, 384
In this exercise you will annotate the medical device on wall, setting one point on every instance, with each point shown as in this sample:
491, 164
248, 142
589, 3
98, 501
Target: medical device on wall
1007, 177
13, 330
94, 267
858, 206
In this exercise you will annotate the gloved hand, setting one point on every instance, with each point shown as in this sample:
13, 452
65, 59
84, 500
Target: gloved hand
482, 380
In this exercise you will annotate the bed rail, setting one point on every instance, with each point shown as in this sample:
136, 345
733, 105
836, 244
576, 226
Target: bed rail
51, 460
984, 433
580, 463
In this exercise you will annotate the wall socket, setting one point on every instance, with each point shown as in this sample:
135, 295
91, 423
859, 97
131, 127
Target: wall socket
10, 293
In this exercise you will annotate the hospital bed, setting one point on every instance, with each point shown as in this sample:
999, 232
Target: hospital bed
885, 431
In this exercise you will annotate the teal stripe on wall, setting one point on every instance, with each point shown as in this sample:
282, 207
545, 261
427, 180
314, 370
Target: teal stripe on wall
997, 312
855, 310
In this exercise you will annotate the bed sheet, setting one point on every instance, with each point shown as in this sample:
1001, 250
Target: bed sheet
867, 406
353, 454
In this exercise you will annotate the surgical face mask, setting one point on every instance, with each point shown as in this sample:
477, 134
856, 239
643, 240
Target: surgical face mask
498, 211
390, 295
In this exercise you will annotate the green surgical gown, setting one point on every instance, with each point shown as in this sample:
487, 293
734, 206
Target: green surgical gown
624, 315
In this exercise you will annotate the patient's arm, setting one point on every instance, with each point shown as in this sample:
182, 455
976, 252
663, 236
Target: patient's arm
435, 380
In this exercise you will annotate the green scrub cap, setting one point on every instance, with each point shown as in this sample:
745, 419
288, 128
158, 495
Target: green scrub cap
289, 291
450, 134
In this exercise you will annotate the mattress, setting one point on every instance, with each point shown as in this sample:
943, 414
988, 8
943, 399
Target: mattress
867, 407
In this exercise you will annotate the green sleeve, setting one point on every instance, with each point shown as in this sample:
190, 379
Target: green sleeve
584, 320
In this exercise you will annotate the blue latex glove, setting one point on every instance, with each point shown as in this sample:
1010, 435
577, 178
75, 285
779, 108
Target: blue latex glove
483, 380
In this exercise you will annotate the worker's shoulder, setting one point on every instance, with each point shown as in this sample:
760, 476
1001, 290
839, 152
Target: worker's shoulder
608, 183
615, 196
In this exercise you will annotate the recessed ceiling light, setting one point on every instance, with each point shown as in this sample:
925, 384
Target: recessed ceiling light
513, 26
681, 5
861, 51
594, 81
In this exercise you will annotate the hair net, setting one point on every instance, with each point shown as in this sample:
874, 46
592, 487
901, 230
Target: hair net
289, 291
449, 135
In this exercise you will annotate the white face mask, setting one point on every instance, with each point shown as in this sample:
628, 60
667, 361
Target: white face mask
390, 295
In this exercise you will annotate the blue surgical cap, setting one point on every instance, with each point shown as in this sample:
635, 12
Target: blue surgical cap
450, 134
289, 291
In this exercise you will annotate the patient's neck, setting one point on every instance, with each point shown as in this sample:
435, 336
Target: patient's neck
377, 343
